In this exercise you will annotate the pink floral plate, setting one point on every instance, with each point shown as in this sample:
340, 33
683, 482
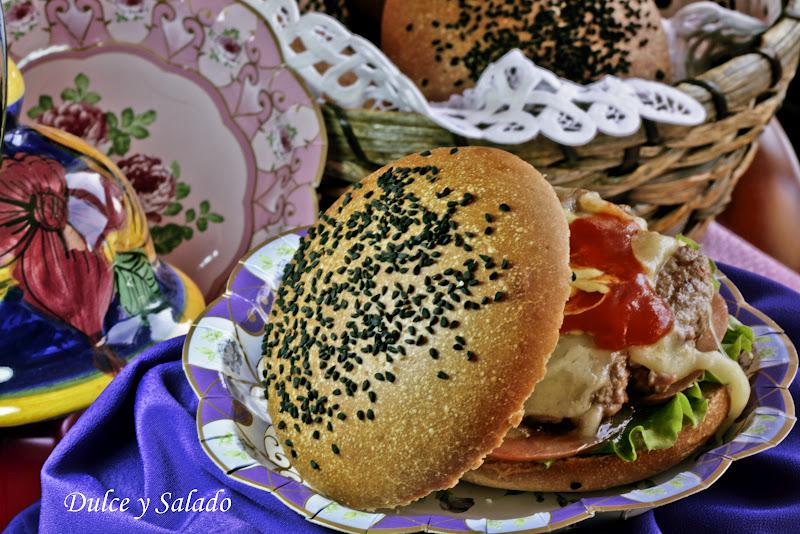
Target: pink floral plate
220, 359
222, 142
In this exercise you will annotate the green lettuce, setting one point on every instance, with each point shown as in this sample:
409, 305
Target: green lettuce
688, 241
659, 427
738, 338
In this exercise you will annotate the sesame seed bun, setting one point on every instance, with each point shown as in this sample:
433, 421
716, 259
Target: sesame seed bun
473, 239
444, 46
590, 473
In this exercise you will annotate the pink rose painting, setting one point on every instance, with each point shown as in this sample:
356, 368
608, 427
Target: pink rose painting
158, 185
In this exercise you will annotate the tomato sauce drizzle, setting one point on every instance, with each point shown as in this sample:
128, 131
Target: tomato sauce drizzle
631, 313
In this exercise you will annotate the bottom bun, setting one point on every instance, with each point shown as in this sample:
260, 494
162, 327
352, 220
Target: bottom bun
591, 473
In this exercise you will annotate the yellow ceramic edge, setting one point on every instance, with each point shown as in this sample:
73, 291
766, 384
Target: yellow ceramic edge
16, 84
194, 303
16, 411
41, 406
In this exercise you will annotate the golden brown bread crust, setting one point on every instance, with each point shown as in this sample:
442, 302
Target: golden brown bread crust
435, 419
590, 473
443, 47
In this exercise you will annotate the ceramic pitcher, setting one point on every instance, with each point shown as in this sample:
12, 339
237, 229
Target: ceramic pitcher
81, 288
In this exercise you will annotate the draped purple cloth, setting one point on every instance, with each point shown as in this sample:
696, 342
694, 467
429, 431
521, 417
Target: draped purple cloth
139, 439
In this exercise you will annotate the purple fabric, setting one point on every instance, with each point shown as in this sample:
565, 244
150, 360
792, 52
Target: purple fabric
140, 439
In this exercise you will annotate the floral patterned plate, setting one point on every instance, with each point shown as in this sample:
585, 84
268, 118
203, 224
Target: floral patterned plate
223, 143
220, 359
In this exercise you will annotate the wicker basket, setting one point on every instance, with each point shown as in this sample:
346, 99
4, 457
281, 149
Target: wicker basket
678, 178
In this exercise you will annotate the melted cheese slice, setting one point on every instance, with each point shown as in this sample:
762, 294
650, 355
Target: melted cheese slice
576, 370
653, 250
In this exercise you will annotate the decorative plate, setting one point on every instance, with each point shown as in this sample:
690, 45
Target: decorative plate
220, 359
192, 100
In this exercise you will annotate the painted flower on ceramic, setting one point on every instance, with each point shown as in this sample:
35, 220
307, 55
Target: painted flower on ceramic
52, 229
128, 20
78, 118
20, 17
130, 9
223, 49
154, 183
284, 132
228, 45
232, 355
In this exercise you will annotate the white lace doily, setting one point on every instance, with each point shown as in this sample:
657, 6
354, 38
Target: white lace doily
513, 101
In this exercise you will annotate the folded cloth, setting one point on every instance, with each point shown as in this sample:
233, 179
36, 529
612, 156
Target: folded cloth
140, 439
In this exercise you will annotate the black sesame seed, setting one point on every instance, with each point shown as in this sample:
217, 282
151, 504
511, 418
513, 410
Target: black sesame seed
314, 465
505, 207
442, 375
334, 448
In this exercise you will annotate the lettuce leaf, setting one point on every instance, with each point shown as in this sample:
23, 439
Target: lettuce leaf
688, 241
738, 338
659, 427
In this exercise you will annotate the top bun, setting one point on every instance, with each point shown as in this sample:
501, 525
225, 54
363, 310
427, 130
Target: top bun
413, 323
445, 45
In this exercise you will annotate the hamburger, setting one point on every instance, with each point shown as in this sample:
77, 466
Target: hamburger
452, 318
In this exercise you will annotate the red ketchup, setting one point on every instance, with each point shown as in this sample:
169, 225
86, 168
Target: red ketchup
631, 313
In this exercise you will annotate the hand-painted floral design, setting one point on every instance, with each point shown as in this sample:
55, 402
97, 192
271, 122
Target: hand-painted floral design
158, 187
167, 237
77, 114
154, 183
54, 234
130, 10
284, 132
21, 17
227, 47
78, 118
223, 50
231, 354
